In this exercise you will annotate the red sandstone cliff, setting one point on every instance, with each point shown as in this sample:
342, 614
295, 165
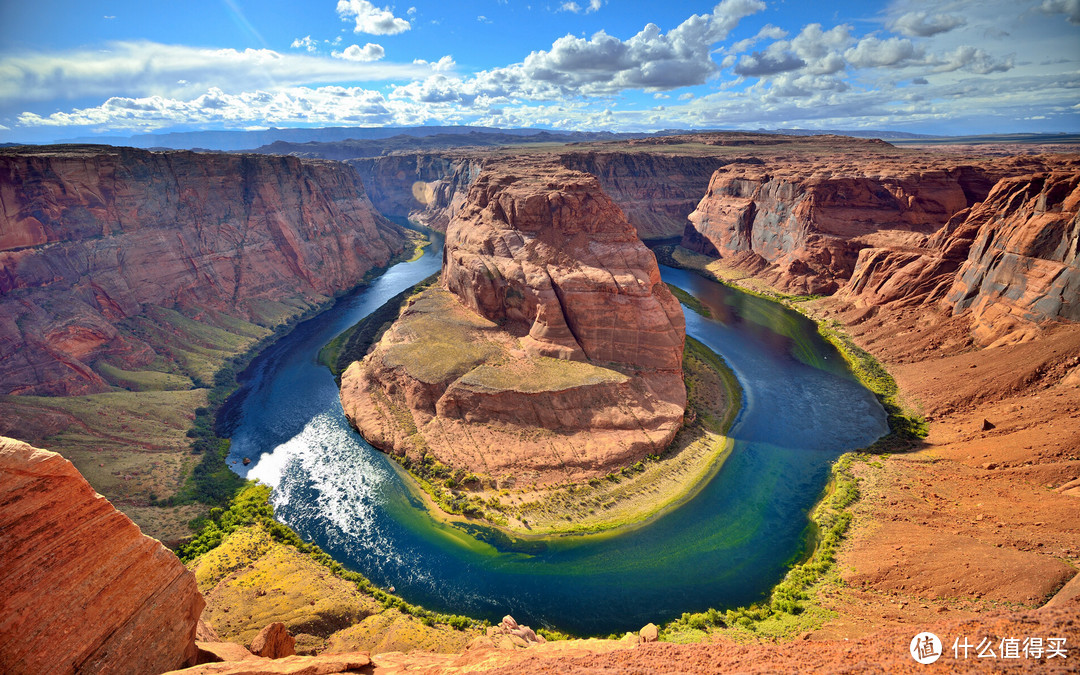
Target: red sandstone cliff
428, 188
1011, 259
92, 235
83, 589
804, 224
656, 191
556, 352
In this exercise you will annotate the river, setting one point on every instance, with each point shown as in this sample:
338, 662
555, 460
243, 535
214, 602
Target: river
724, 548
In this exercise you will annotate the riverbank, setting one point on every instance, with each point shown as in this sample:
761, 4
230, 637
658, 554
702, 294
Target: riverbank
625, 499
989, 424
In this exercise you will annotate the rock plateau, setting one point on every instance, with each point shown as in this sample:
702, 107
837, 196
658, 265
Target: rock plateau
552, 345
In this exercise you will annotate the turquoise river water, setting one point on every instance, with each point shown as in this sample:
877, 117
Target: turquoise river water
724, 548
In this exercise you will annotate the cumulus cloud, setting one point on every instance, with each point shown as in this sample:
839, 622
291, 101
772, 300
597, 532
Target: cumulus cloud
142, 69
649, 60
768, 31
768, 62
370, 19
814, 51
871, 52
442, 65
577, 9
306, 43
920, 24
324, 105
369, 52
972, 60
1070, 8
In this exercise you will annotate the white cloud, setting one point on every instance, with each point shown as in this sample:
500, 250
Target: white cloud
594, 5
306, 43
920, 24
370, 19
649, 60
143, 69
444, 64
324, 105
369, 52
768, 31
871, 52
1070, 8
972, 60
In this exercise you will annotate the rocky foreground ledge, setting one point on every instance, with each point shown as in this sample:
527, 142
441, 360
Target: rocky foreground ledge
550, 352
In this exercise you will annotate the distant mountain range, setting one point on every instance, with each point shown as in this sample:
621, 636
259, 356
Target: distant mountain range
368, 141
246, 140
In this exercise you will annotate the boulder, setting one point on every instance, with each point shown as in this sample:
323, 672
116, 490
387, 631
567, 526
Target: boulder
274, 642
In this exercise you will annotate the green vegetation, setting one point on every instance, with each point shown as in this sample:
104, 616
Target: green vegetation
142, 380
354, 343
251, 506
690, 301
540, 374
905, 427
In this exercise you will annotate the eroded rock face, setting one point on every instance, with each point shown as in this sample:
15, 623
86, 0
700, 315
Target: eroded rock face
655, 191
554, 350
1011, 260
84, 590
91, 235
1024, 265
429, 188
804, 224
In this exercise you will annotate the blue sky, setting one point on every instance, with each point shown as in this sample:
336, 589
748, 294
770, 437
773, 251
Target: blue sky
932, 66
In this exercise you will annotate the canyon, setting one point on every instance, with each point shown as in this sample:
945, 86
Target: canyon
955, 268
129, 278
92, 237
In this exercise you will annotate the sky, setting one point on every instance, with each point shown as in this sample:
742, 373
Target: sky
952, 67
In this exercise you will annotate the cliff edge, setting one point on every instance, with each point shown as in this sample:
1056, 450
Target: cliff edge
84, 590
552, 350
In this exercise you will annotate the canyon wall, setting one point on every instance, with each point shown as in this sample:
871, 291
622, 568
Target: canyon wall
91, 236
802, 224
428, 188
84, 590
552, 351
655, 191
1011, 260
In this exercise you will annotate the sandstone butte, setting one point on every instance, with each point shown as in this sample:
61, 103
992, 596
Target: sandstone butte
550, 351
91, 236
83, 589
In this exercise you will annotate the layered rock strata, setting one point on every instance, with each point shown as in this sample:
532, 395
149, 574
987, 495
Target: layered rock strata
428, 188
93, 235
804, 225
552, 348
84, 590
1012, 260
656, 191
